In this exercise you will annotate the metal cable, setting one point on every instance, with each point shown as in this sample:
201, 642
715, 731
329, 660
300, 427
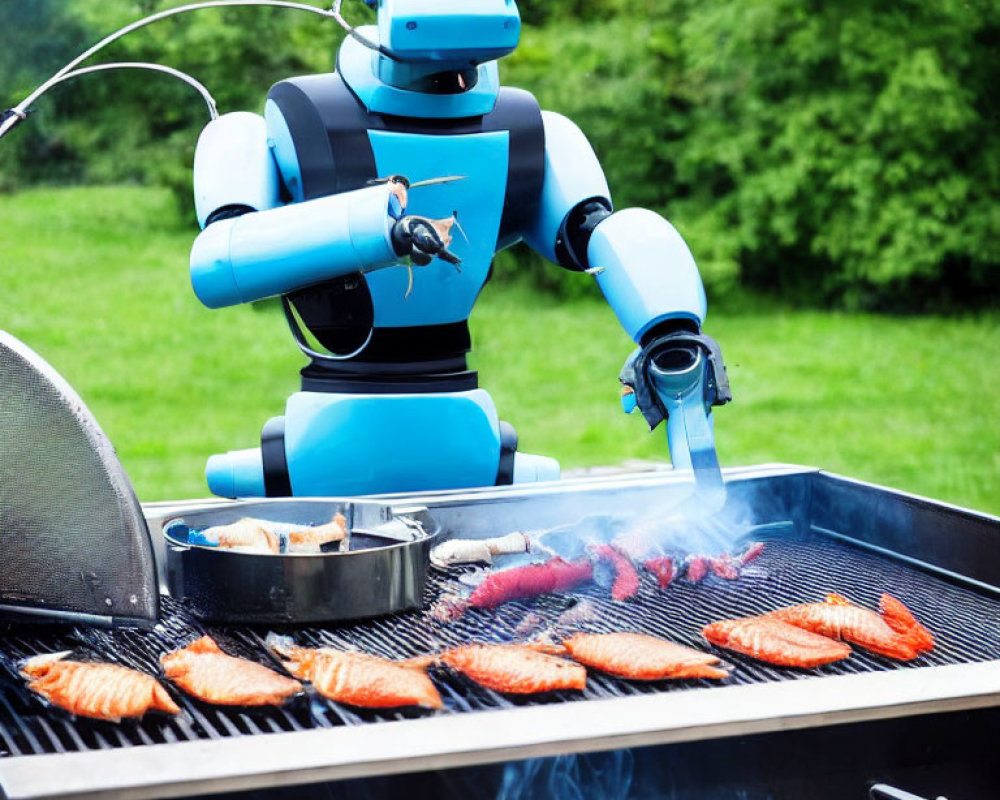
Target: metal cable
213, 110
21, 108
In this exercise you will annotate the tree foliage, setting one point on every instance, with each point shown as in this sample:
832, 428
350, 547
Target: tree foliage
839, 152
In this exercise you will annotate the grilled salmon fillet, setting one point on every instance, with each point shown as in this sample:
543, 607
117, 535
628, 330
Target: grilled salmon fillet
641, 657
838, 618
900, 619
514, 668
202, 670
772, 640
99, 691
359, 679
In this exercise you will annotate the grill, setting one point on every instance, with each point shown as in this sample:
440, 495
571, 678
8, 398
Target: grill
821, 534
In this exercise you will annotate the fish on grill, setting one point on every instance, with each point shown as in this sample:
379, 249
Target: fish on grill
900, 619
776, 642
663, 568
531, 580
626, 583
726, 567
752, 553
468, 551
204, 671
358, 679
97, 690
641, 657
838, 618
696, 568
511, 668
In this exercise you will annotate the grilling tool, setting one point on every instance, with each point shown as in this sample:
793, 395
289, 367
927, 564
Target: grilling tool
681, 376
74, 546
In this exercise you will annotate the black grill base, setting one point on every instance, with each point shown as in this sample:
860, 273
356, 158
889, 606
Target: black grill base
939, 755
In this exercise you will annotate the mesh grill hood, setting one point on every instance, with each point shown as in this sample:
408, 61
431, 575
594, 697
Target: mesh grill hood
73, 541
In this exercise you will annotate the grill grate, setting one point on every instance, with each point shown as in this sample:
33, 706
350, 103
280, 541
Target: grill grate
793, 568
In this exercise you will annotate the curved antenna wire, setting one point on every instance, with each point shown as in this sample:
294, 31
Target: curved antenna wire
213, 110
20, 110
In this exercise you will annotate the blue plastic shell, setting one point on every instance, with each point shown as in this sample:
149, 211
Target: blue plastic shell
441, 293
271, 252
572, 174
347, 444
649, 274
233, 166
446, 32
358, 66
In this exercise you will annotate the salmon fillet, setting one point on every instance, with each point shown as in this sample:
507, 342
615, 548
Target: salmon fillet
898, 617
202, 670
515, 668
769, 639
359, 679
99, 691
641, 657
840, 619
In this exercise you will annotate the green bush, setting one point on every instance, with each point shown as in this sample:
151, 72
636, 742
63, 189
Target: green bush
840, 153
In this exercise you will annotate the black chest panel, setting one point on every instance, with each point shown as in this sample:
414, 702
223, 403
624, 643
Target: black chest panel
329, 129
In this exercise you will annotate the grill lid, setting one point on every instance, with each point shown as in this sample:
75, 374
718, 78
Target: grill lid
73, 541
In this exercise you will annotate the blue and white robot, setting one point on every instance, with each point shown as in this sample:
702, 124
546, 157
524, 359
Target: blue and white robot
349, 180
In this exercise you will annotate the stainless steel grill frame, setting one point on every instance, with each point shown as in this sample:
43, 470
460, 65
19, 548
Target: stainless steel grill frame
954, 547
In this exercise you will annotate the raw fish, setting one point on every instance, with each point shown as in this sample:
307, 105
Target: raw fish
518, 583
626, 583
662, 568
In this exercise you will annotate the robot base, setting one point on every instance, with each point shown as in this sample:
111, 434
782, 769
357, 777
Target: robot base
360, 444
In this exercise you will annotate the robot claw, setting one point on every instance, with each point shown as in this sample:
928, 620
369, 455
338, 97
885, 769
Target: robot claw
679, 377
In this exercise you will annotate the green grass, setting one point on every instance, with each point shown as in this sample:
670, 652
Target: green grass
95, 279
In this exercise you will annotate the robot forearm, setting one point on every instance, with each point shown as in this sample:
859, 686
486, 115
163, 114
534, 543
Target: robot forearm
646, 272
254, 247
258, 255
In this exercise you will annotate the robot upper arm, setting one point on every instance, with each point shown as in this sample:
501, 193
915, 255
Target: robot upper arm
234, 171
575, 193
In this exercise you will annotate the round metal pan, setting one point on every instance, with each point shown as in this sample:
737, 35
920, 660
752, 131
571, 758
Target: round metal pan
375, 575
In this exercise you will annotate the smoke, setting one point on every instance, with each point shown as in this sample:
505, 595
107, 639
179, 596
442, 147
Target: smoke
614, 775
589, 776
663, 527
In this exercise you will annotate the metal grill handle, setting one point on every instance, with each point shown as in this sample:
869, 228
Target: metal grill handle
882, 791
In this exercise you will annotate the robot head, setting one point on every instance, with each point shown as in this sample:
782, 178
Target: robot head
433, 37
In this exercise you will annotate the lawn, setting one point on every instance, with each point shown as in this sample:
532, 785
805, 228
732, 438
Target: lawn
95, 279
